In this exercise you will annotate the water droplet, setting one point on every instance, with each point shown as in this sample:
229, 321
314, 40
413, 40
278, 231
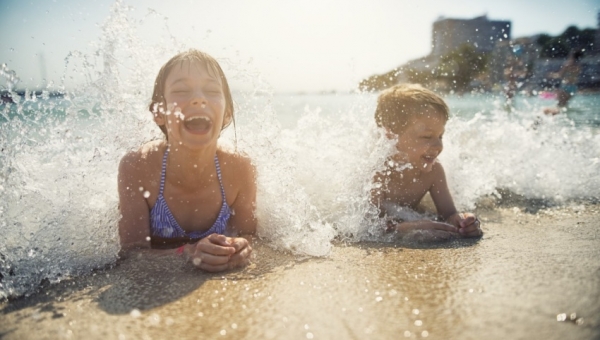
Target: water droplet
141, 189
146, 194
418, 323
148, 238
378, 299
197, 261
424, 334
407, 334
234, 325
223, 332
309, 335
415, 311
135, 313
561, 317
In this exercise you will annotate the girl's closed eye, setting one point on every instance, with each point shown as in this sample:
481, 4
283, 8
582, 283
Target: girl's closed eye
180, 91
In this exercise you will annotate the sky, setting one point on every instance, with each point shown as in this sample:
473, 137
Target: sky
295, 46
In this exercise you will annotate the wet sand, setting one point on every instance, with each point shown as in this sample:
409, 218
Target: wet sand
528, 269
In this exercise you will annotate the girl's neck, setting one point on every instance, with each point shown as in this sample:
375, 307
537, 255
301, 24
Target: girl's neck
191, 168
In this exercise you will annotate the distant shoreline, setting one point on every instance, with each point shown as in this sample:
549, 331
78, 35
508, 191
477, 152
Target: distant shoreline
7, 96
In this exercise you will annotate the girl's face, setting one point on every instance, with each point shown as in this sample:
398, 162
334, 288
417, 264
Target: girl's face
421, 141
195, 106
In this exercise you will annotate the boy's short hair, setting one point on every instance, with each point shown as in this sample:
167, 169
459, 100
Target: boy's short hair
398, 103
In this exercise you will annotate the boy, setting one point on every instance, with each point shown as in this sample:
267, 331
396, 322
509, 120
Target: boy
417, 117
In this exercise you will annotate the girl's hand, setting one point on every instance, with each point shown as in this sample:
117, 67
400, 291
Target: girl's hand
243, 250
216, 253
468, 224
211, 253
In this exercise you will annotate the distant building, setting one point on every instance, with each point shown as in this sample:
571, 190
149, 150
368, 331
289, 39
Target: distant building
480, 32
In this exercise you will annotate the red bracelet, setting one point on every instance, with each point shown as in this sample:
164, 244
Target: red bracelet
180, 249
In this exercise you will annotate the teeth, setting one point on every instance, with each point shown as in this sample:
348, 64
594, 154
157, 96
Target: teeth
201, 117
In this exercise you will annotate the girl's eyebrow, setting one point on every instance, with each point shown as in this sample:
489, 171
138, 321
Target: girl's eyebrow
184, 79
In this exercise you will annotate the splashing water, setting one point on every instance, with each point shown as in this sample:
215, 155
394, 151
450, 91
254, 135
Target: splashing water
59, 159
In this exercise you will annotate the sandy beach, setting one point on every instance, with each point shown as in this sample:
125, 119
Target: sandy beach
532, 269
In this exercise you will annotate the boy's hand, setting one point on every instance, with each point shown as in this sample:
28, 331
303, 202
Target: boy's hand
468, 224
436, 231
405, 227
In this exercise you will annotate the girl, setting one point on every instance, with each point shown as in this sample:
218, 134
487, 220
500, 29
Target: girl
183, 194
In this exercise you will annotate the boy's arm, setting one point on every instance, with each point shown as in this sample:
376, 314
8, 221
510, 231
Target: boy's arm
468, 224
440, 194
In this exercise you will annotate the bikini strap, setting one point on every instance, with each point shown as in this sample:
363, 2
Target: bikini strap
219, 177
163, 172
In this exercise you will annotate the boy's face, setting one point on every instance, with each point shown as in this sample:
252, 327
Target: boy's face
420, 142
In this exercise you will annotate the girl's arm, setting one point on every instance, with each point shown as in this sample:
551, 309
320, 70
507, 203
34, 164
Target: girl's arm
243, 219
134, 226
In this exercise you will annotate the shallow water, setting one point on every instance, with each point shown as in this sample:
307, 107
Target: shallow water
532, 276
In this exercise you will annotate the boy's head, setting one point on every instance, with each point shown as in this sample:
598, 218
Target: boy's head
193, 56
397, 105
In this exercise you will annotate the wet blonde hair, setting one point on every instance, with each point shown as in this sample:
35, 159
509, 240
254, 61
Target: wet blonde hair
158, 104
397, 104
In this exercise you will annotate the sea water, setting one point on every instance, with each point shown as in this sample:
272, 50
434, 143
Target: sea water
315, 156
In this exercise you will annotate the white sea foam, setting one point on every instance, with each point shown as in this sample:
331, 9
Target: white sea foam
315, 157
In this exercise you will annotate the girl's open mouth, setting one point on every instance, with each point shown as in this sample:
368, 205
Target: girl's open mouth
200, 124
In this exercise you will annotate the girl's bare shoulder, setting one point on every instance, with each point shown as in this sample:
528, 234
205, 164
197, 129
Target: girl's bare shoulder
233, 162
144, 158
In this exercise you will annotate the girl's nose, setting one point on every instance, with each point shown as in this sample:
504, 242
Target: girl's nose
198, 99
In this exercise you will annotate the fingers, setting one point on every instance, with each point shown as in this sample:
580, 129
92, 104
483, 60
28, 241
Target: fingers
444, 227
472, 229
214, 249
467, 219
239, 243
241, 259
216, 253
219, 239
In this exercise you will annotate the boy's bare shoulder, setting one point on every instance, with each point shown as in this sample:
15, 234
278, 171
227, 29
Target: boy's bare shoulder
437, 172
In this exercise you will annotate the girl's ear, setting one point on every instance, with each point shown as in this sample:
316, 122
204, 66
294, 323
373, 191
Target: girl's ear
159, 117
227, 118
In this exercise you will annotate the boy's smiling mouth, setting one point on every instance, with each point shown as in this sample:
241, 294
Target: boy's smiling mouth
197, 124
429, 158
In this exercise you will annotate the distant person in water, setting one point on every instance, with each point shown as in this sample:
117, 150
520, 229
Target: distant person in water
568, 74
184, 194
416, 117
